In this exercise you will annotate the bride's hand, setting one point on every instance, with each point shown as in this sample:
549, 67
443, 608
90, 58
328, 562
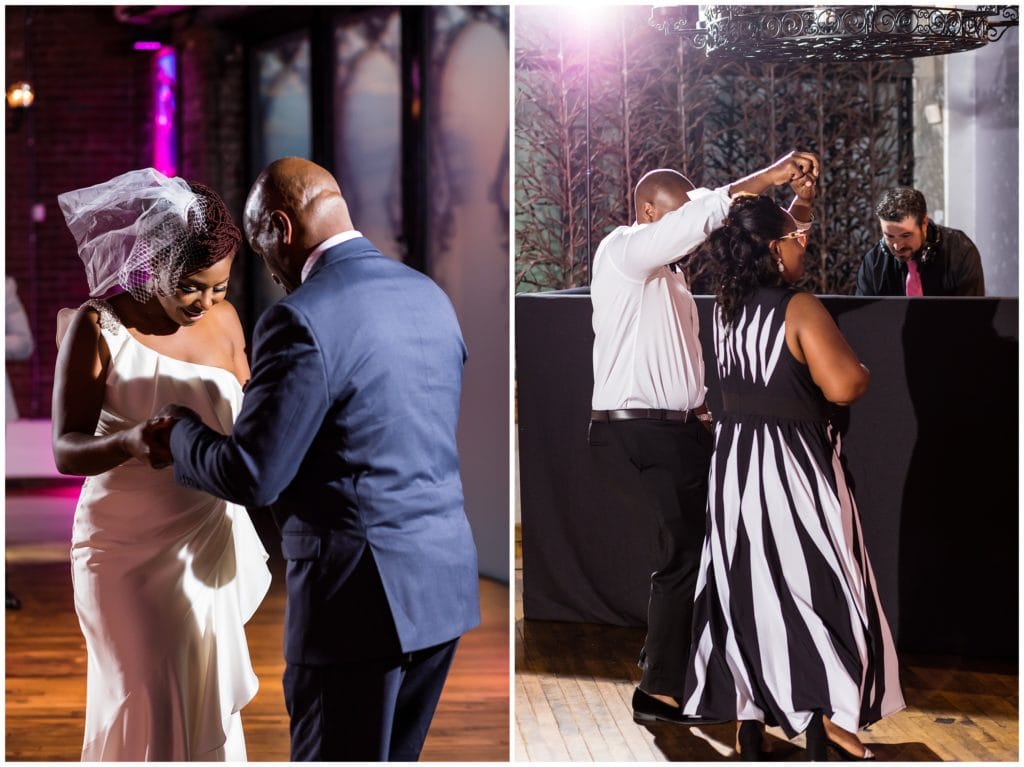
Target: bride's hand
150, 442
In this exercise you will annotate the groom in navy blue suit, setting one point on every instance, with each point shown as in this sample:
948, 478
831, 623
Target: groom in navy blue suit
347, 431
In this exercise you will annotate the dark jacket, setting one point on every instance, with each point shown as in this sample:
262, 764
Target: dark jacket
949, 265
347, 430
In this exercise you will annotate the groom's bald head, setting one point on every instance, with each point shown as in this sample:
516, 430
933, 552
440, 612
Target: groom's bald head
293, 206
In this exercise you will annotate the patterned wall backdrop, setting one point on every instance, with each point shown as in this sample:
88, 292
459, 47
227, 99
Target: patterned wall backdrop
367, 138
469, 156
609, 88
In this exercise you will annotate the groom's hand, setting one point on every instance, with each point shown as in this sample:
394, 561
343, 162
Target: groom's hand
149, 442
175, 412
156, 434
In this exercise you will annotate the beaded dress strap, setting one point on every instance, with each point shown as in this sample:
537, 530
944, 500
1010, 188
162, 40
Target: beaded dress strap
109, 320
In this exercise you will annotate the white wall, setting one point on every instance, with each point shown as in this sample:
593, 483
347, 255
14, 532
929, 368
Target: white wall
982, 142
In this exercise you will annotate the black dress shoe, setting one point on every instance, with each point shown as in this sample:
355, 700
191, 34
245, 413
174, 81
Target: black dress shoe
846, 756
13, 603
647, 708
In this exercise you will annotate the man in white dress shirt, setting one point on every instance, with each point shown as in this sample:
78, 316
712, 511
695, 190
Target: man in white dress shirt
648, 401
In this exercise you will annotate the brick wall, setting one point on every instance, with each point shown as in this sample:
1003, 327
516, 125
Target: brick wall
213, 125
90, 121
86, 125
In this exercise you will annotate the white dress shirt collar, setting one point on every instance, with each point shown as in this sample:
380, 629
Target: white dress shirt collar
319, 250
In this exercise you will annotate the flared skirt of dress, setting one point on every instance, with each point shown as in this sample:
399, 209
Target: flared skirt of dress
165, 579
787, 615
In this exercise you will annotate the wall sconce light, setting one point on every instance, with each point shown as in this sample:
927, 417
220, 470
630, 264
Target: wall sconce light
20, 95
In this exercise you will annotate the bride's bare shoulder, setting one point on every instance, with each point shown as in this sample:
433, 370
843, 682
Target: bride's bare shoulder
87, 316
229, 327
227, 318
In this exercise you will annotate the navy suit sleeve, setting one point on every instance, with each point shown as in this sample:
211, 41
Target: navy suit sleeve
285, 402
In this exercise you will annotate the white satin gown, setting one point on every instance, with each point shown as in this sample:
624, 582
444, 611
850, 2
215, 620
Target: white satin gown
165, 577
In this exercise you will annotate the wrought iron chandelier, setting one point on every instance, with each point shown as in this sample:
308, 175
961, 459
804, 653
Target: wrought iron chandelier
832, 32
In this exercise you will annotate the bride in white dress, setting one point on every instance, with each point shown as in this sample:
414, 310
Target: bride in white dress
165, 577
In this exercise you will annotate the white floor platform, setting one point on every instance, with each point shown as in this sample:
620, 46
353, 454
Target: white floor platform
40, 501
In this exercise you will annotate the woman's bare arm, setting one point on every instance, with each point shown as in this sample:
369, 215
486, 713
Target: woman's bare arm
78, 389
814, 338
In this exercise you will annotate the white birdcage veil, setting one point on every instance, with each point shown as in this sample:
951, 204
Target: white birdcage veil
140, 231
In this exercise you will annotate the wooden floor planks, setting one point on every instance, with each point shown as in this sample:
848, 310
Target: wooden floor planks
574, 685
46, 666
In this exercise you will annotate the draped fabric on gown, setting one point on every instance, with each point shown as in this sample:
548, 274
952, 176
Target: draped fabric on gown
787, 618
165, 578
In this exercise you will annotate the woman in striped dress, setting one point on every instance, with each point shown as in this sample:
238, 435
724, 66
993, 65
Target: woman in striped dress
788, 628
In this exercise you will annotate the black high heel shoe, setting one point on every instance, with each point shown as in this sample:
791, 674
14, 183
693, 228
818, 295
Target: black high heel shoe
750, 740
818, 744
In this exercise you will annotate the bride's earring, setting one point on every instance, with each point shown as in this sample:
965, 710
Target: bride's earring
782, 266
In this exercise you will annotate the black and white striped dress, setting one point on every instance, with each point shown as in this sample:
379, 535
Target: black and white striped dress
786, 618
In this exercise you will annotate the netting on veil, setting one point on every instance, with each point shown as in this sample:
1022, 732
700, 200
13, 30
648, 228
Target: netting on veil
141, 231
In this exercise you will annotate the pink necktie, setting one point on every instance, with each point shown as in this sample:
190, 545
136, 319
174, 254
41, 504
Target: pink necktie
913, 279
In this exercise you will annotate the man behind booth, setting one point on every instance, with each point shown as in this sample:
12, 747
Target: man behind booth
649, 391
916, 256
347, 428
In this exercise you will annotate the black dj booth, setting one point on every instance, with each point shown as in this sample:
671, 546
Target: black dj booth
932, 449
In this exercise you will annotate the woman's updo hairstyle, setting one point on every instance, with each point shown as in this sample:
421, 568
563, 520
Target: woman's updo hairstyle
175, 246
738, 253
217, 237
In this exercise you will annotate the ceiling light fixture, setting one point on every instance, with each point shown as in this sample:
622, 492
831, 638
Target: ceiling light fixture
832, 32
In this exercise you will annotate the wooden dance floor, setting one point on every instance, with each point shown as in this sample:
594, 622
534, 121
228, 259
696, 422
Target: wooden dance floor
574, 686
46, 661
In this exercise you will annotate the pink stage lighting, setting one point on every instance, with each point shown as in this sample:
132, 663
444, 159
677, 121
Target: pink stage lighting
165, 145
147, 45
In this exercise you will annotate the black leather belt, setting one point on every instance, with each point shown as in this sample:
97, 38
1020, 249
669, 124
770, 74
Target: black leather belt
634, 414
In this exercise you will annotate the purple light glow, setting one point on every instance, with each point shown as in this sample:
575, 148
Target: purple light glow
147, 45
165, 145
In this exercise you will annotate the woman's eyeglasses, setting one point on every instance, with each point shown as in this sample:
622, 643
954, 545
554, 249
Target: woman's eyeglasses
797, 234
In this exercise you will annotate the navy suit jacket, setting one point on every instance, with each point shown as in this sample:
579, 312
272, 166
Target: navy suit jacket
347, 430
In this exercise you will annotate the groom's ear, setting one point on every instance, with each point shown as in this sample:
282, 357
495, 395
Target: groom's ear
646, 213
282, 225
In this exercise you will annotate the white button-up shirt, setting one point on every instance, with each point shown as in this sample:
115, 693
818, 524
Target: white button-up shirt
646, 350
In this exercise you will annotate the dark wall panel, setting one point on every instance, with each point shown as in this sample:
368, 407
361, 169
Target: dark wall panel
932, 448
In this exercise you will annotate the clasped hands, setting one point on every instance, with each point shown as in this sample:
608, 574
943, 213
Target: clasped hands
150, 441
799, 169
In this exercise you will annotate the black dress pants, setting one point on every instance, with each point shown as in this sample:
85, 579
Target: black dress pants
672, 460
374, 710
